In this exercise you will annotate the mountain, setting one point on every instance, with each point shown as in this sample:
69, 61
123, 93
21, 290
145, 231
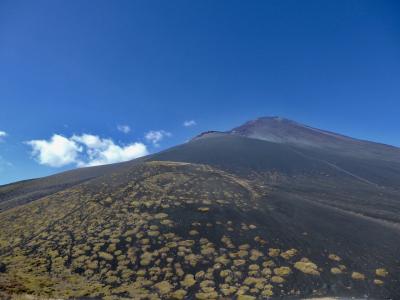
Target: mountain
270, 209
284, 131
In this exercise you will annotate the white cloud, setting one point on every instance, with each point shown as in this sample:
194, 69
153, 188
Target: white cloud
124, 128
57, 152
3, 134
83, 150
89, 140
104, 151
156, 136
189, 123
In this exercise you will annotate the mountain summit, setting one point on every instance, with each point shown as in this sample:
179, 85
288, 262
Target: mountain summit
284, 131
270, 209
281, 130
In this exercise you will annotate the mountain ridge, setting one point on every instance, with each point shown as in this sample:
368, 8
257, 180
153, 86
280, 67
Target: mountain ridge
73, 176
223, 215
281, 130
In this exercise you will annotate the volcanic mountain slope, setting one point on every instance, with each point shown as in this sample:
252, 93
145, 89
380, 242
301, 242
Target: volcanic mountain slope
224, 215
15, 194
284, 131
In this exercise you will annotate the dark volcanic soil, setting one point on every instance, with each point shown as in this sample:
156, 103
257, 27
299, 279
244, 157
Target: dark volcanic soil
221, 216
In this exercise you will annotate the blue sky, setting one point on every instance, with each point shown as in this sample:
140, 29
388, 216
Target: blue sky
76, 70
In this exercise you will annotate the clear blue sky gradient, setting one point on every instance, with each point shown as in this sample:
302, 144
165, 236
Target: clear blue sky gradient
86, 66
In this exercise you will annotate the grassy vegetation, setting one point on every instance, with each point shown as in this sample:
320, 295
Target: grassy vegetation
160, 230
